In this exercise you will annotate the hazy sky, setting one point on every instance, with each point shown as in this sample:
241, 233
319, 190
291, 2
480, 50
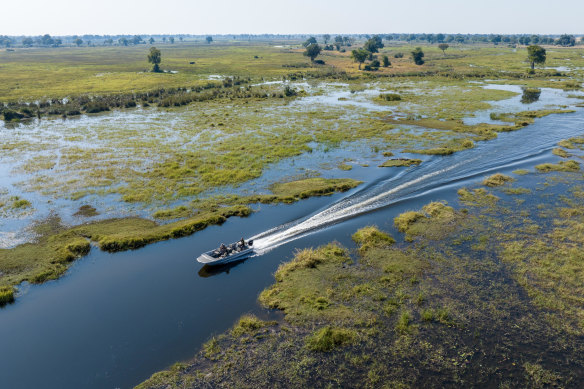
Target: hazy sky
66, 17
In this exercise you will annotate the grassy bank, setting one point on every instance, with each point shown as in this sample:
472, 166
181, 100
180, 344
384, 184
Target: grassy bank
57, 246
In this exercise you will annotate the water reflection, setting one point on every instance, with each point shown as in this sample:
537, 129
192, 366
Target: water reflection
210, 271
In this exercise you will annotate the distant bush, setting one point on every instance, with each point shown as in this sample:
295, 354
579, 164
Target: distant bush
319, 62
418, 56
96, 107
398, 55
289, 91
10, 115
373, 66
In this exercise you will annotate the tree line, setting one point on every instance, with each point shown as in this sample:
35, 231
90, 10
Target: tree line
329, 42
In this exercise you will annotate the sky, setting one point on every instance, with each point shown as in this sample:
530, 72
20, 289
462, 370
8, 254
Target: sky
113, 17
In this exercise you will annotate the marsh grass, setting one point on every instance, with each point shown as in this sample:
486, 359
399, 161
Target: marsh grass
6, 295
329, 338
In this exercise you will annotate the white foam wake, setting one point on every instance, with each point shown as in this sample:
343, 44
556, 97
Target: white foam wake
344, 209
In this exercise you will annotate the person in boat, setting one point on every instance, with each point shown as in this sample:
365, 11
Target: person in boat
242, 243
222, 249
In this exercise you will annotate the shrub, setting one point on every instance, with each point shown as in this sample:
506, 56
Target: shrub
398, 55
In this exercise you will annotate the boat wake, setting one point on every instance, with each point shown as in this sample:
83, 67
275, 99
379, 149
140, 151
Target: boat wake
508, 150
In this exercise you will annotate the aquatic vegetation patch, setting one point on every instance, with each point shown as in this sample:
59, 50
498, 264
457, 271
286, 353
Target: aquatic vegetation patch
447, 149
497, 179
434, 219
301, 189
561, 153
86, 211
371, 236
476, 197
562, 166
399, 162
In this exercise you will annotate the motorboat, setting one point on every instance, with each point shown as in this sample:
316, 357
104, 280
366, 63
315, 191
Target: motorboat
227, 253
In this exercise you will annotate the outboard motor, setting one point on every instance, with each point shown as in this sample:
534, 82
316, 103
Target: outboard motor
250, 242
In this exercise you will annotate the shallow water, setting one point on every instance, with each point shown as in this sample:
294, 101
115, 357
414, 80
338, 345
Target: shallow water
114, 319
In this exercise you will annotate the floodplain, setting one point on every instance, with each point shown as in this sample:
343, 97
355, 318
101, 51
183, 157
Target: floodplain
122, 158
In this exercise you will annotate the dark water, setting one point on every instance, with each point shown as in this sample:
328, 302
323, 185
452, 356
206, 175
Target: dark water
117, 318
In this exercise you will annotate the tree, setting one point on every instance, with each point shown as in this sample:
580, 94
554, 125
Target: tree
359, 55
78, 41
155, 57
326, 38
440, 38
496, 39
373, 44
151, 40
312, 51
209, 39
524, 40
418, 55
566, 40
137, 39
171, 39
123, 41
535, 54
27, 42
46, 40
386, 62
309, 41
443, 47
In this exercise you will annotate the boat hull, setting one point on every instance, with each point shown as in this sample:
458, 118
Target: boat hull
207, 258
